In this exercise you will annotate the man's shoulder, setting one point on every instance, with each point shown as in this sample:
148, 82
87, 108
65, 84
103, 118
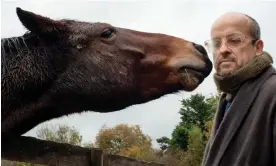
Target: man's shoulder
269, 85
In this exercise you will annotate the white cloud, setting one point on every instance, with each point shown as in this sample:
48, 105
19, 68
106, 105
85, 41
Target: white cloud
187, 19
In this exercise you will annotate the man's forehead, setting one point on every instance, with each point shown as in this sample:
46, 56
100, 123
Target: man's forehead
230, 23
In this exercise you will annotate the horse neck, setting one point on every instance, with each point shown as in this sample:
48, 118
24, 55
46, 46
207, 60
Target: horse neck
26, 71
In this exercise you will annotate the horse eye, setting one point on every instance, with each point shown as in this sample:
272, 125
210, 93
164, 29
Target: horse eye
107, 33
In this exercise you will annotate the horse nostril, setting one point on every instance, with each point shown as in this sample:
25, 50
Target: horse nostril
200, 48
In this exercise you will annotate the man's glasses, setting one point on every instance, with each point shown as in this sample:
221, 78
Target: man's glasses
231, 42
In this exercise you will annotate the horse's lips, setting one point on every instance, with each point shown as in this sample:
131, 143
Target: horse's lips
190, 77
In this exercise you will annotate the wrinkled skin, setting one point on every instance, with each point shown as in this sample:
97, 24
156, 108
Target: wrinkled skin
64, 66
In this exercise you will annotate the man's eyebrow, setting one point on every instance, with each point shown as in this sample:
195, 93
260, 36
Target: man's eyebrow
216, 38
228, 35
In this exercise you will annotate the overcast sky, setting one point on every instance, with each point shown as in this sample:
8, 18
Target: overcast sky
186, 19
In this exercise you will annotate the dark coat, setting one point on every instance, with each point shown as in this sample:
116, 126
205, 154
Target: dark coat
246, 134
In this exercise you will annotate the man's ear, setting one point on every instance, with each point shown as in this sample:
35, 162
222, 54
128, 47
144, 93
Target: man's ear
259, 45
39, 24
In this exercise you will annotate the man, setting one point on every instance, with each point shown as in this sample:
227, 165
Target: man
244, 129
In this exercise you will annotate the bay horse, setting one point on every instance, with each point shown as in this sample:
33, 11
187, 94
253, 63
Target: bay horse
66, 66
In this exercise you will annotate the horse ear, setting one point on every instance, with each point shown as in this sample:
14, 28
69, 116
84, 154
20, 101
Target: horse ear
37, 23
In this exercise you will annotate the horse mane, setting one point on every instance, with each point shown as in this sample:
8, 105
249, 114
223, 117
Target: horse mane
11, 43
14, 46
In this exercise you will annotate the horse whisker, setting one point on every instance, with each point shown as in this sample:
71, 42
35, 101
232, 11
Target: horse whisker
189, 78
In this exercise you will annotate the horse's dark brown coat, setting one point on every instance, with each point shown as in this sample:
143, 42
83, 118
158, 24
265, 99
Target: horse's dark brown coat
66, 66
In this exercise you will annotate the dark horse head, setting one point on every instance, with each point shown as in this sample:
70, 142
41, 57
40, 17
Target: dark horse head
60, 67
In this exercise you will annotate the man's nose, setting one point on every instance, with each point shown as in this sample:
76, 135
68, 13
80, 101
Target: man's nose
224, 48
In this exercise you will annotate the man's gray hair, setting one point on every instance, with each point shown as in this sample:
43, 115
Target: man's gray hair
255, 28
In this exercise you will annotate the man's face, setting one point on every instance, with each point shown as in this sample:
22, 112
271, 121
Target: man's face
233, 43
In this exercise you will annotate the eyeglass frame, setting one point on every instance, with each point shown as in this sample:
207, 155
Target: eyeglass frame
227, 44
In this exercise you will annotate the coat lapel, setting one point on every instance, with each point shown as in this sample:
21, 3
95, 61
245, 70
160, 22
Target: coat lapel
226, 127
218, 116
